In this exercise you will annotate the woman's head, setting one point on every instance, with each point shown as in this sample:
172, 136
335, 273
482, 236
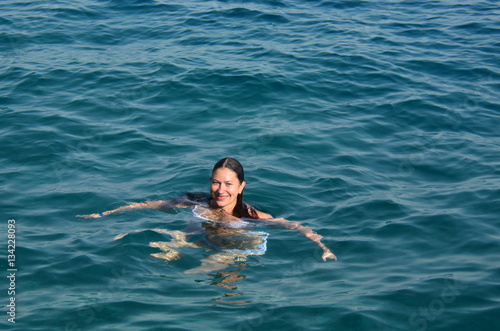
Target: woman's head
227, 185
232, 164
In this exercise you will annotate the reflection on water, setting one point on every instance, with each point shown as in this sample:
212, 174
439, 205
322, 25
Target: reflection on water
225, 279
217, 261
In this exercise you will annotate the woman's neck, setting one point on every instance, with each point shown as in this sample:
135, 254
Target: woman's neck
227, 209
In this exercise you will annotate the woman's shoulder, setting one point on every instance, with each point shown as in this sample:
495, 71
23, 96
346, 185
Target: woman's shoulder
189, 199
263, 215
198, 197
254, 213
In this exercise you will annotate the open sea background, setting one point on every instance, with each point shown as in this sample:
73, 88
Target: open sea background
374, 122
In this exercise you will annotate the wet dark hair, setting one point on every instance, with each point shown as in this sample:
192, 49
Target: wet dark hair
233, 164
241, 209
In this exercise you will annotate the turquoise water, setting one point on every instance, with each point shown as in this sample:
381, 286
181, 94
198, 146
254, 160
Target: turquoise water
374, 122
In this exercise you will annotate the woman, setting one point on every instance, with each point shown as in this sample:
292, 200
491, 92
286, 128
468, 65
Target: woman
228, 220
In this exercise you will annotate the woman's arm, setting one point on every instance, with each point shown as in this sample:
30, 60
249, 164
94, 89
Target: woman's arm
305, 230
159, 204
180, 202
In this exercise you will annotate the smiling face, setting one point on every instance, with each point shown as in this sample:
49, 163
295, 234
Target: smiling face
224, 189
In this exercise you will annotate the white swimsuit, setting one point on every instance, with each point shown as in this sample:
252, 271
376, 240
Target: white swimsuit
245, 242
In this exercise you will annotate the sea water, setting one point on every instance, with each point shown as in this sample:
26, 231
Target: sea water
373, 122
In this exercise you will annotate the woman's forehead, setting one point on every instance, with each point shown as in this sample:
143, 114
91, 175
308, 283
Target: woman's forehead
224, 174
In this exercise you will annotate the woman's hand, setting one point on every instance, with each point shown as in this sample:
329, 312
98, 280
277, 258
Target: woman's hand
328, 255
309, 233
89, 216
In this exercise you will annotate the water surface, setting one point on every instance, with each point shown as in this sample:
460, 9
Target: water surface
375, 123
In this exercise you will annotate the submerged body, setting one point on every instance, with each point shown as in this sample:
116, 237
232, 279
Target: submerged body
226, 241
229, 220
232, 238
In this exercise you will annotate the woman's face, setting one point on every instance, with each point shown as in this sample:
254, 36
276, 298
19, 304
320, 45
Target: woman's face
224, 189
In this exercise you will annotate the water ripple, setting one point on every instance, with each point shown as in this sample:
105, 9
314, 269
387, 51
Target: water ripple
375, 123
